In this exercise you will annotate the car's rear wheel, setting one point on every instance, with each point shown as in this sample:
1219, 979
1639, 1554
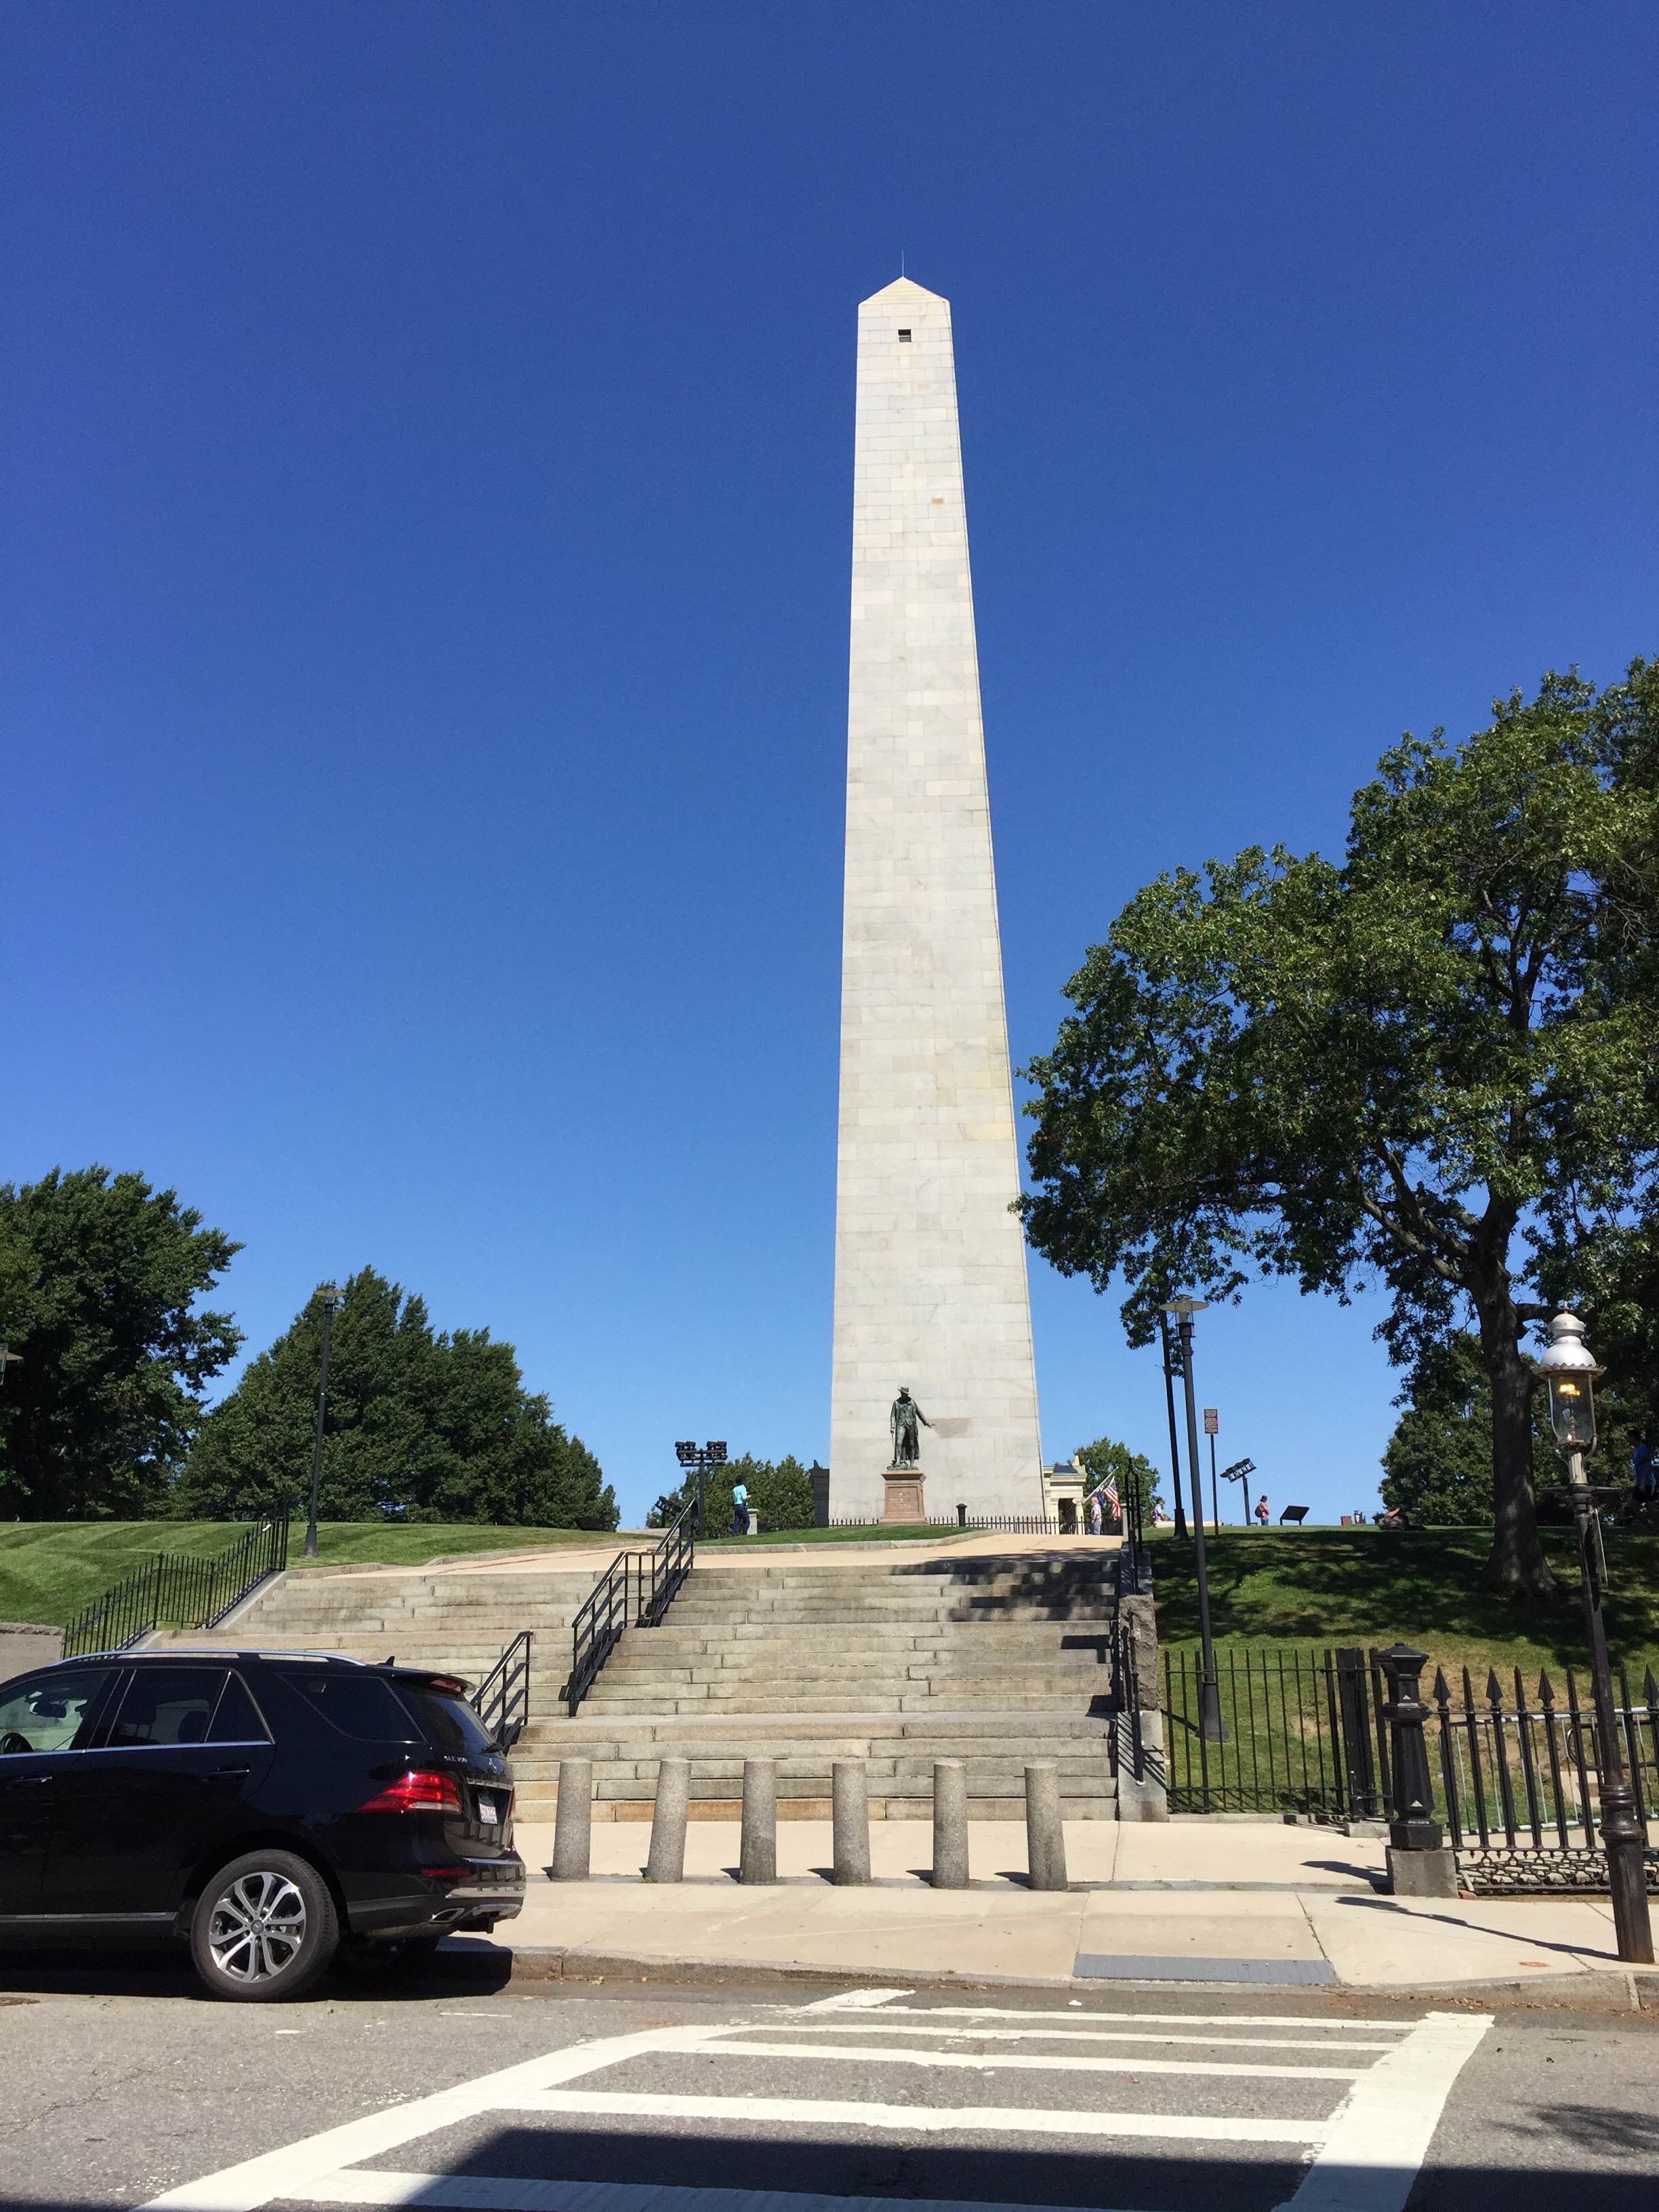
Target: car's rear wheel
265, 1928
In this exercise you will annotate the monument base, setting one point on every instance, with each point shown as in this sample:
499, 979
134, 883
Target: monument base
902, 1502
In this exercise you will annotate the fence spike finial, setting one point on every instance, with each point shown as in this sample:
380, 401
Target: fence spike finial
1545, 1691
1494, 1688
1650, 1690
1441, 1691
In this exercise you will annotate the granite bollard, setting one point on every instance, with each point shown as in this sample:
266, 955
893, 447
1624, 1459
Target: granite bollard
758, 1855
573, 1824
950, 1824
667, 1860
851, 1807
1045, 1834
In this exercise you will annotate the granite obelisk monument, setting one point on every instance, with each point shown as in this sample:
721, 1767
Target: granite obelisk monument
933, 1399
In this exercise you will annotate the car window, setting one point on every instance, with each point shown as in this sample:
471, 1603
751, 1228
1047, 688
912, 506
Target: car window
358, 1706
166, 1704
449, 1722
49, 1714
238, 1719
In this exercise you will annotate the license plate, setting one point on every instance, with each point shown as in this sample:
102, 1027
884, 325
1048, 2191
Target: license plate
489, 1810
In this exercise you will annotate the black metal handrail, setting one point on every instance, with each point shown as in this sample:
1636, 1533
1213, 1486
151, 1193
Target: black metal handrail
662, 1569
1130, 1742
177, 1589
501, 1700
637, 1589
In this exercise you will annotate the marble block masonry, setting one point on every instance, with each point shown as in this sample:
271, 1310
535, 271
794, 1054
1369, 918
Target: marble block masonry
930, 1263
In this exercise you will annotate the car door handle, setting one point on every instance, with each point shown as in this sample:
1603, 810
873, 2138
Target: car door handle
232, 1770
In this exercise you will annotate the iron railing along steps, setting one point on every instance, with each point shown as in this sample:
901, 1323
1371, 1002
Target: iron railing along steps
176, 1589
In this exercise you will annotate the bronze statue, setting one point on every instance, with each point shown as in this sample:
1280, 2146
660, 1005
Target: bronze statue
906, 1441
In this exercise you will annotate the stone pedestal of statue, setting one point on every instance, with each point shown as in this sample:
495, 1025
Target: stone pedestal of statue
903, 1502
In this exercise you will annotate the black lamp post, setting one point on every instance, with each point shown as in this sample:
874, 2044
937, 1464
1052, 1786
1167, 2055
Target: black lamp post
333, 1298
1171, 1369
1240, 1472
1211, 1724
1569, 1369
697, 1459
1212, 1424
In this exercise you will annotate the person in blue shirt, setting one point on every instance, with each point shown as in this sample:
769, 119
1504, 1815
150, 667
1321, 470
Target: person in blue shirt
1645, 1471
739, 1509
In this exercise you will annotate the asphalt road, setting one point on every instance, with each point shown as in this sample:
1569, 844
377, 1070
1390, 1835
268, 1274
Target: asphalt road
122, 2086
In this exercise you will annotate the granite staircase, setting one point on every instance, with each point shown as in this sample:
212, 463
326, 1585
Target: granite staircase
459, 1619
992, 1660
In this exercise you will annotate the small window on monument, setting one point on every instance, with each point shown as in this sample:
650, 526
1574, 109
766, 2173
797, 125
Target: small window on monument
904, 337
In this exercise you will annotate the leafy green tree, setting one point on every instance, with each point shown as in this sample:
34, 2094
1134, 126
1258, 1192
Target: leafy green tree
781, 1493
99, 1280
420, 1426
1128, 1470
1431, 1067
1437, 1465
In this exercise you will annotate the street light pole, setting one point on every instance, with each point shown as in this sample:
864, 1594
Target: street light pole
699, 1458
1175, 1449
1213, 1728
1570, 1370
1211, 1423
331, 1297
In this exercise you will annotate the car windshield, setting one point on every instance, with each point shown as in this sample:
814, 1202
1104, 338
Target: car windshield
47, 1715
450, 1723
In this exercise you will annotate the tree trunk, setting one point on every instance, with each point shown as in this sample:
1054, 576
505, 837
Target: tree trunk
1516, 1564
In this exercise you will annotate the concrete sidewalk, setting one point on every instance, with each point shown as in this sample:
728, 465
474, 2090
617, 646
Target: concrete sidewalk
1206, 1902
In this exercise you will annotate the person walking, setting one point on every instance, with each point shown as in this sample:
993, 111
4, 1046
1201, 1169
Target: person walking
739, 1509
1261, 1509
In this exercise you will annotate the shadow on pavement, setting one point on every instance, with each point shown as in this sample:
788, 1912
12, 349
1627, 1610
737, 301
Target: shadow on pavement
159, 1970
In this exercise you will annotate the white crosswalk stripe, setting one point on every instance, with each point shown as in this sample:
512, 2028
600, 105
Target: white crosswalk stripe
1356, 2106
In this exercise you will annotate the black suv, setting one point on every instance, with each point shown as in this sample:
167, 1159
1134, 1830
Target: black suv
273, 1808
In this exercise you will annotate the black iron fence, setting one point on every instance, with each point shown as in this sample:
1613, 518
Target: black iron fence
1281, 1751
635, 1590
996, 1524
1518, 1777
501, 1700
1516, 1772
174, 1589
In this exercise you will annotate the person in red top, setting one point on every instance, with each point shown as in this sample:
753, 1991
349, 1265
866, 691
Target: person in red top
1261, 1509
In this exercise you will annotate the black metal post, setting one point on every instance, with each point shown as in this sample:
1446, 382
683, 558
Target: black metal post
1622, 1835
1215, 1489
1175, 1448
1210, 1723
1411, 1827
322, 1408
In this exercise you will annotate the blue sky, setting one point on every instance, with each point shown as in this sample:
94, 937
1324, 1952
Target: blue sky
427, 497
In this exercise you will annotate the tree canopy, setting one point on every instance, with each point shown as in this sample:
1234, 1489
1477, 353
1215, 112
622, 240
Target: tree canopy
1128, 1470
1431, 1068
99, 1276
780, 1491
420, 1425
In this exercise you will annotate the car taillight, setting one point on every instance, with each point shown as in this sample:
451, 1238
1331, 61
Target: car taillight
423, 1789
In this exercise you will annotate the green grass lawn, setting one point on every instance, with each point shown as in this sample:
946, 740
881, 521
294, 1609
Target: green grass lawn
1317, 1586
49, 1570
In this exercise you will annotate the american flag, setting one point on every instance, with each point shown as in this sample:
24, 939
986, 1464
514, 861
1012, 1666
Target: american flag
1110, 1504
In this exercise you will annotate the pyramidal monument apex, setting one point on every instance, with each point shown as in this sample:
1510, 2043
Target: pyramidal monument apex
933, 1394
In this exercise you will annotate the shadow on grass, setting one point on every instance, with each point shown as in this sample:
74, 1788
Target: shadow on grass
1375, 1586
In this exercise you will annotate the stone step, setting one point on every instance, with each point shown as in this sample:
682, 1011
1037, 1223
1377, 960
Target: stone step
714, 1733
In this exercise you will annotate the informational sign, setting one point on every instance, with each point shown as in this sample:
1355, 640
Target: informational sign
1211, 1421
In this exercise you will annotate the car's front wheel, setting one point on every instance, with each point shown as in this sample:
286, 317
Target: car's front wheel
265, 1928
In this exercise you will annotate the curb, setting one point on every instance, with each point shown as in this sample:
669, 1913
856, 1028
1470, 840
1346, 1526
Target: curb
1635, 1990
